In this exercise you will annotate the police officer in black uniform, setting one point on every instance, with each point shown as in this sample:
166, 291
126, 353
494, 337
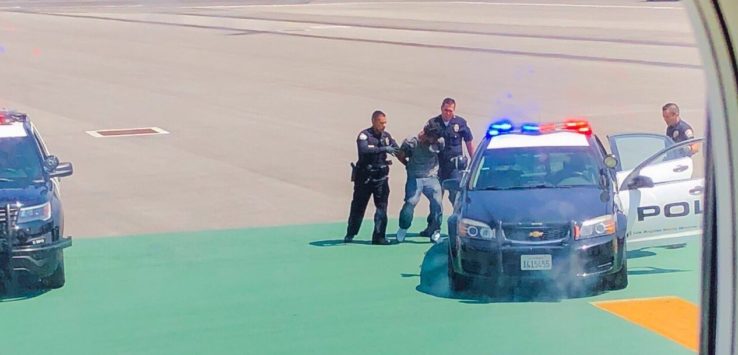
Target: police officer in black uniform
451, 159
371, 177
676, 128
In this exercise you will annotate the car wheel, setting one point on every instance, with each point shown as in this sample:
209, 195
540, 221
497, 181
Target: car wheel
618, 280
456, 282
57, 279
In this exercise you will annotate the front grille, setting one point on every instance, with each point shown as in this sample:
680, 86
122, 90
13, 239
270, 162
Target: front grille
12, 216
536, 233
8, 215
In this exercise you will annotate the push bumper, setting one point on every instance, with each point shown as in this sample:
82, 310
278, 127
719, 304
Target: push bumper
41, 260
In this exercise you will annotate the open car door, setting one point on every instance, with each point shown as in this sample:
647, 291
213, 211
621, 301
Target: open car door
632, 149
663, 205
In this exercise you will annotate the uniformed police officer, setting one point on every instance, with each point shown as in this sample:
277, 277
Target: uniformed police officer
676, 128
371, 177
451, 158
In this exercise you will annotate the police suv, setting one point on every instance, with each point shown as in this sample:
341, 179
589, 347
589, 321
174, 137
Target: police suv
547, 202
31, 217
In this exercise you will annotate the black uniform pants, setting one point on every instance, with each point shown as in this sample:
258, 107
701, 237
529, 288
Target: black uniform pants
364, 189
448, 171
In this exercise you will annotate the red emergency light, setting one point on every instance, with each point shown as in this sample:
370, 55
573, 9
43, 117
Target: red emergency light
8, 117
578, 125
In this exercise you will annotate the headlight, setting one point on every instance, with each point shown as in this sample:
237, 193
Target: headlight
470, 228
35, 213
596, 227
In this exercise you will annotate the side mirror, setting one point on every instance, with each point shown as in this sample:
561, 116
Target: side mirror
451, 184
62, 169
610, 161
640, 181
50, 163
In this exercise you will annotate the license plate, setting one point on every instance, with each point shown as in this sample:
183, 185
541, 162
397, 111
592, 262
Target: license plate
535, 262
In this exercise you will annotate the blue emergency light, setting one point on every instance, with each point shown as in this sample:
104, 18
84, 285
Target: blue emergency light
499, 127
530, 128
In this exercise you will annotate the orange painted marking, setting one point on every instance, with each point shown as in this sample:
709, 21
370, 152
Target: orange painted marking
671, 317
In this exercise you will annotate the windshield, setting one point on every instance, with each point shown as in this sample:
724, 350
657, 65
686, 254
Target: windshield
528, 168
19, 162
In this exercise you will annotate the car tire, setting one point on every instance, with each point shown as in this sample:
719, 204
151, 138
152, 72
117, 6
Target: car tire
57, 279
618, 280
456, 282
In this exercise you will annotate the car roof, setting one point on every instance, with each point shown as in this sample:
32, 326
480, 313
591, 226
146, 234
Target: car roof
13, 130
522, 140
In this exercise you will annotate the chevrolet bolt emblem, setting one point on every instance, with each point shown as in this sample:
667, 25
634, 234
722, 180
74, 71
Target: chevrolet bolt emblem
536, 234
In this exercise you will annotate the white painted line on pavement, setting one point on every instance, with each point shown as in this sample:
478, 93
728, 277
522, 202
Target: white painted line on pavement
438, 3
323, 27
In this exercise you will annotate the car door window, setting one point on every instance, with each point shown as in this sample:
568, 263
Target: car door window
673, 164
632, 149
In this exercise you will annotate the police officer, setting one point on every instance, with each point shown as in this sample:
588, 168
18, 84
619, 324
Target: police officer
370, 176
676, 128
451, 158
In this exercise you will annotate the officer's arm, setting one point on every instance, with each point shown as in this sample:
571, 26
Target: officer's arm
693, 148
468, 139
365, 148
399, 153
393, 143
470, 148
404, 153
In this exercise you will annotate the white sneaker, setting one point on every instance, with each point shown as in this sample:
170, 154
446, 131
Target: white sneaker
401, 233
435, 237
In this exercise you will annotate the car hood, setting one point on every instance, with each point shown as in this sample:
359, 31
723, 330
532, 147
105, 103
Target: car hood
26, 196
548, 205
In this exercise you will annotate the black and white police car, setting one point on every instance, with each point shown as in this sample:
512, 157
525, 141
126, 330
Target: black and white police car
31, 217
547, 202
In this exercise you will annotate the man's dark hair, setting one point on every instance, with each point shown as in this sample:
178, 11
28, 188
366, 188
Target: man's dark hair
432, 130
448, 101
376, 114
672, 107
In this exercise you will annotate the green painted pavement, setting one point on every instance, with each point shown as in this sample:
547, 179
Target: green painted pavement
298, 289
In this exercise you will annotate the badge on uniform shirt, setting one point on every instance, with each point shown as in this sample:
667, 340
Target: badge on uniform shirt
689, 134
675, 134
363, 137
456, 128
386, 141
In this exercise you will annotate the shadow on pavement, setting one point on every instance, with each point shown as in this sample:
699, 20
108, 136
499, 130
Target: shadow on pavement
338, 242
639, 253
15, 292
651, 271
412, 238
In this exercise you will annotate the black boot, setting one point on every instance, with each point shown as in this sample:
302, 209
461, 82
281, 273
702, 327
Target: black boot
381, 241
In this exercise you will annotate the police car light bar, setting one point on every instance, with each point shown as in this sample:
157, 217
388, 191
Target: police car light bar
8, 117
505, 126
